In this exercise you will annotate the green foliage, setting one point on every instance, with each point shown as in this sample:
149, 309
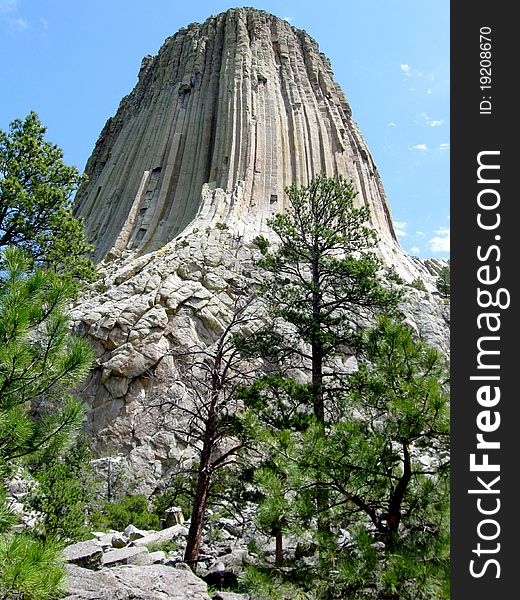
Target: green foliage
36, 189
384, 465
323, 278
393, 276
31, 568
40, 360
221, 226
273, 584
63, 494
262, 243
323, 274
178, 493
418, 284
167, 546
443, 282
132, 510
7, 517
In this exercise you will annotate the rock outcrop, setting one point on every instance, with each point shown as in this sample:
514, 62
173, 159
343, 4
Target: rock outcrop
181, 180
223, 118
152, 582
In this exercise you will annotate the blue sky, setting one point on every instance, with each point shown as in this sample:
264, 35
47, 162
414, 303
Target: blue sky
72, 61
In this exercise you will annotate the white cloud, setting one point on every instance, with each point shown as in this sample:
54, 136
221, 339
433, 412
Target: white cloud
392, 124
420, 234
288, 19
45, 23
429, 91
440, 242
423, 119
19, 23
406, 70
415, 250
8, 6
445, 146
400, 228
420, 147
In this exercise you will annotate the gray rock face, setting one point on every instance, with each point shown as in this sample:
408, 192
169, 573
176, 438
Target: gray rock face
154, 582
226, 115
182, 178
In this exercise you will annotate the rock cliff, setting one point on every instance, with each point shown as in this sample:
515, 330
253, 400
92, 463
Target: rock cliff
181, 180
223, 118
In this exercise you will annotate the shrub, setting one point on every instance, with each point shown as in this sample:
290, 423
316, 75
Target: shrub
418, 284
262, 243
64, 493
133, 510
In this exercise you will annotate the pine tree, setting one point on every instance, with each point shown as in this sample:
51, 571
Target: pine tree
386, 462
322, 284
36, 190
40, 361
323, 277
443, 282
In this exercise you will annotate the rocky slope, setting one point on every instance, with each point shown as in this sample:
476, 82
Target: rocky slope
181, 180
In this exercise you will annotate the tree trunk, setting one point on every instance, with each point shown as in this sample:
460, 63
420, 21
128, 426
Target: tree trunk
192, 552
396, 500
278, 536
322, 496
316, 344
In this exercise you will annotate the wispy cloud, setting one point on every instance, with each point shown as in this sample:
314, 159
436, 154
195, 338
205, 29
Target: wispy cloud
420, 234
405, 68
288, 19
440, 242
19, 23
415, 250
8, 6
392, 124
420, 147
400, 228
445, 146
423, 119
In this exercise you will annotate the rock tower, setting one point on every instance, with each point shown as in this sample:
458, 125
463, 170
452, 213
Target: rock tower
181, 180
223, 118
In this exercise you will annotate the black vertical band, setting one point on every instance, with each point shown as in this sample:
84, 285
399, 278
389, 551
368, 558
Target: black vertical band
485, 258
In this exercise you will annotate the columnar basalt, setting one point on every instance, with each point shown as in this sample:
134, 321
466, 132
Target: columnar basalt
181, 180
244, 104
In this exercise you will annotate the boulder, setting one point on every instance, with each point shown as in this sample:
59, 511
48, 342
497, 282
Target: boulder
157, 557
154, 582
173, 517
126, 556
118, 540
84, 554
133, 533
159, 537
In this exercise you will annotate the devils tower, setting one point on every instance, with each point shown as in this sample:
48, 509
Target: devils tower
182, 179
243, 103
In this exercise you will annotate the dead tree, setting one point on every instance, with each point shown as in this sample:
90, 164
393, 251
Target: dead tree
212, 376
